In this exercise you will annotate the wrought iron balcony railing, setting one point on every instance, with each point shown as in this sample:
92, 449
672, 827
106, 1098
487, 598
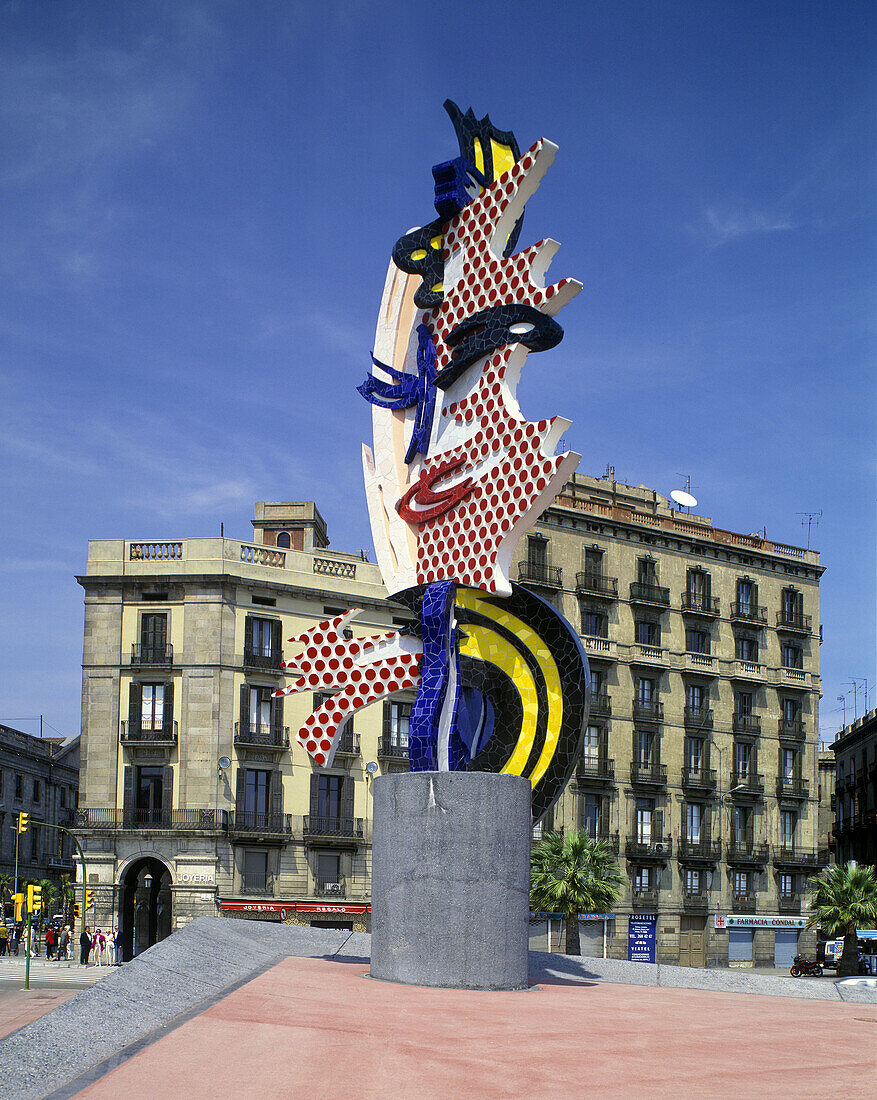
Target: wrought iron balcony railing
791, 855
341, 828
108, 818
258, 883
749, 784
152, 655
644, 899
792, 787
258, 658
642, 592
747, 723
268, 737
535, 573
748, 612
746, 851
326, 889
702, 850
794, 622
348, 744
601, 706
392, 748
264, 824
657, 848
698, 718
789, 903
598, 768
702, 779
699, 605
166, 733
648, 711
596, 584
695, 900
791, 729
744, 903
650, 774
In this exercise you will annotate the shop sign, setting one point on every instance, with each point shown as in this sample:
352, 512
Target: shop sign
582, 916
190, 878
743, 921
306, 908
257, 907
641, 938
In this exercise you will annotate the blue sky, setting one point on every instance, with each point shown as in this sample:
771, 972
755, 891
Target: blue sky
197, 206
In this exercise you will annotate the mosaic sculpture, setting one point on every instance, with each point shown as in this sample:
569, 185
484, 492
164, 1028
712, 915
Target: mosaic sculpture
455, 476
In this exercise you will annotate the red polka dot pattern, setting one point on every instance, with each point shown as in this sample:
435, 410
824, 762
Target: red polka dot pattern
463, 543
328, 663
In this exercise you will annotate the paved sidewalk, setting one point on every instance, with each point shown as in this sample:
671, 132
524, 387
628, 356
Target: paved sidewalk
21, 1006
320, 1029
50, 974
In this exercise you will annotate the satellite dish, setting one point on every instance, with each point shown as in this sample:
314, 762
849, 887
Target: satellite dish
371, 767
224, 762
683, 498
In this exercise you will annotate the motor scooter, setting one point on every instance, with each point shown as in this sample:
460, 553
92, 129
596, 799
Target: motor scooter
802, 967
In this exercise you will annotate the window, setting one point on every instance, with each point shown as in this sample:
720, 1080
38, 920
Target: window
255, 872
594, 623
397, 717
791, 712
792, 605
62, 795
787, 828
592, 744
743, 704
742, 826
694, 754
329, 797
151, 706
647, 571
793, 656
742, 882
645, 746
642, 880
262, 642
645, 808
264, 601
788, 759
694, 697
598, 680
787, 886
645, 689
591, 815
742, 760
648, 633
693, 819
153, 636
593, 563
259, 707
260, 637
692, 882
19, 787
283, 540
35, 794
149, 795
256, 787
746, 596
746, 648
697, 641
537, 554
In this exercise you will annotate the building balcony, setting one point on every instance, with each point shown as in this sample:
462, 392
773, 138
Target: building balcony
114, 818
794, 678
256, 824
748, 613
152, 656
601, 706
348, 744
392, 748
698, 718
648, 655
61, 863
330, 889
610, 840
747, 852
747, 723
657, 849
652, 594
595, 584
794, 858
789, 903
794, 789
704, 607
746, 785
600, 648
748, 670
695, 901
258, 884
794, 623
744, 903
139, 735
699, 779
648, 775
327, 829
261, 737
265, 662
596, 769
703, 850
546, 576
648, 712
702, 664
791, 729
644, 899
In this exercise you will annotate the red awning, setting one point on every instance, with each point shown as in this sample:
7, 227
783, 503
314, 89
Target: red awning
284, 907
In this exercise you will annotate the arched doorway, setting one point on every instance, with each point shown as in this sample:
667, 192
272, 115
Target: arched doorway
145, 909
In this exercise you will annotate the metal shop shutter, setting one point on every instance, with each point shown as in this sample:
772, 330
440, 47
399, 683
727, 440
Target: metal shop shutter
739, 945
538, 935
591, 938
785, 947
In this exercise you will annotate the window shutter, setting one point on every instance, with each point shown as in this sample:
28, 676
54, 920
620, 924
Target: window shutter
347, 798
387, 720
755, 595
248, 633
240, 790
277, 719
167, 795
277, 795
657, 825
134, 696
168, 716
315, 795
128, 794
245, 709
604, 817
276, 641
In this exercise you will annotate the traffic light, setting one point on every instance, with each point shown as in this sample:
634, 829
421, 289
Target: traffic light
89, 899
18, 903
23, 822
34, 898
77, 910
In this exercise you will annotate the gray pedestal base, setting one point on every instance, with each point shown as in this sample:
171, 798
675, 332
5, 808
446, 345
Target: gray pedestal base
451, 879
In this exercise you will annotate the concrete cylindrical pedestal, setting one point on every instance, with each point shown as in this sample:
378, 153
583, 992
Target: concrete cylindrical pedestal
451, 879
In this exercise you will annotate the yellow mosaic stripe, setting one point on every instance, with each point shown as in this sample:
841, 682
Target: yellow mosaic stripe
471, 599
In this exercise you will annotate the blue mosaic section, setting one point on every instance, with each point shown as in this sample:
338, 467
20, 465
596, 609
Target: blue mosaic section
436, 701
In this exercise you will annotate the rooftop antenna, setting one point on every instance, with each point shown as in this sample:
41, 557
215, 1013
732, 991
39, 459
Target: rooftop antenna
812, 520
842, 699
683, 497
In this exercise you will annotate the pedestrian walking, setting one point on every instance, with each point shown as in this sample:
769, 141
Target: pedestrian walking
117, 946
16, 940
50, 942
98, 943
64, 944
84, 946
4, 937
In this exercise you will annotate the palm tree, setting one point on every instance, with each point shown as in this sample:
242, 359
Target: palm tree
845, 899
49, 891
5, 891
67, 892
572, 874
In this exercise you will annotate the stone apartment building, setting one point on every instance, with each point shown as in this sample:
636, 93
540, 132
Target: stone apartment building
39, 776
700, 758
855, 792
699, 764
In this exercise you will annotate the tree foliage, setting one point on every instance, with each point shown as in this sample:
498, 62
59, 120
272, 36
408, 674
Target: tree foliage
573, 874
844, 899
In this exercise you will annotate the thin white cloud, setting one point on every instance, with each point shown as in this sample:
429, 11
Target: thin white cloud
721, 226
